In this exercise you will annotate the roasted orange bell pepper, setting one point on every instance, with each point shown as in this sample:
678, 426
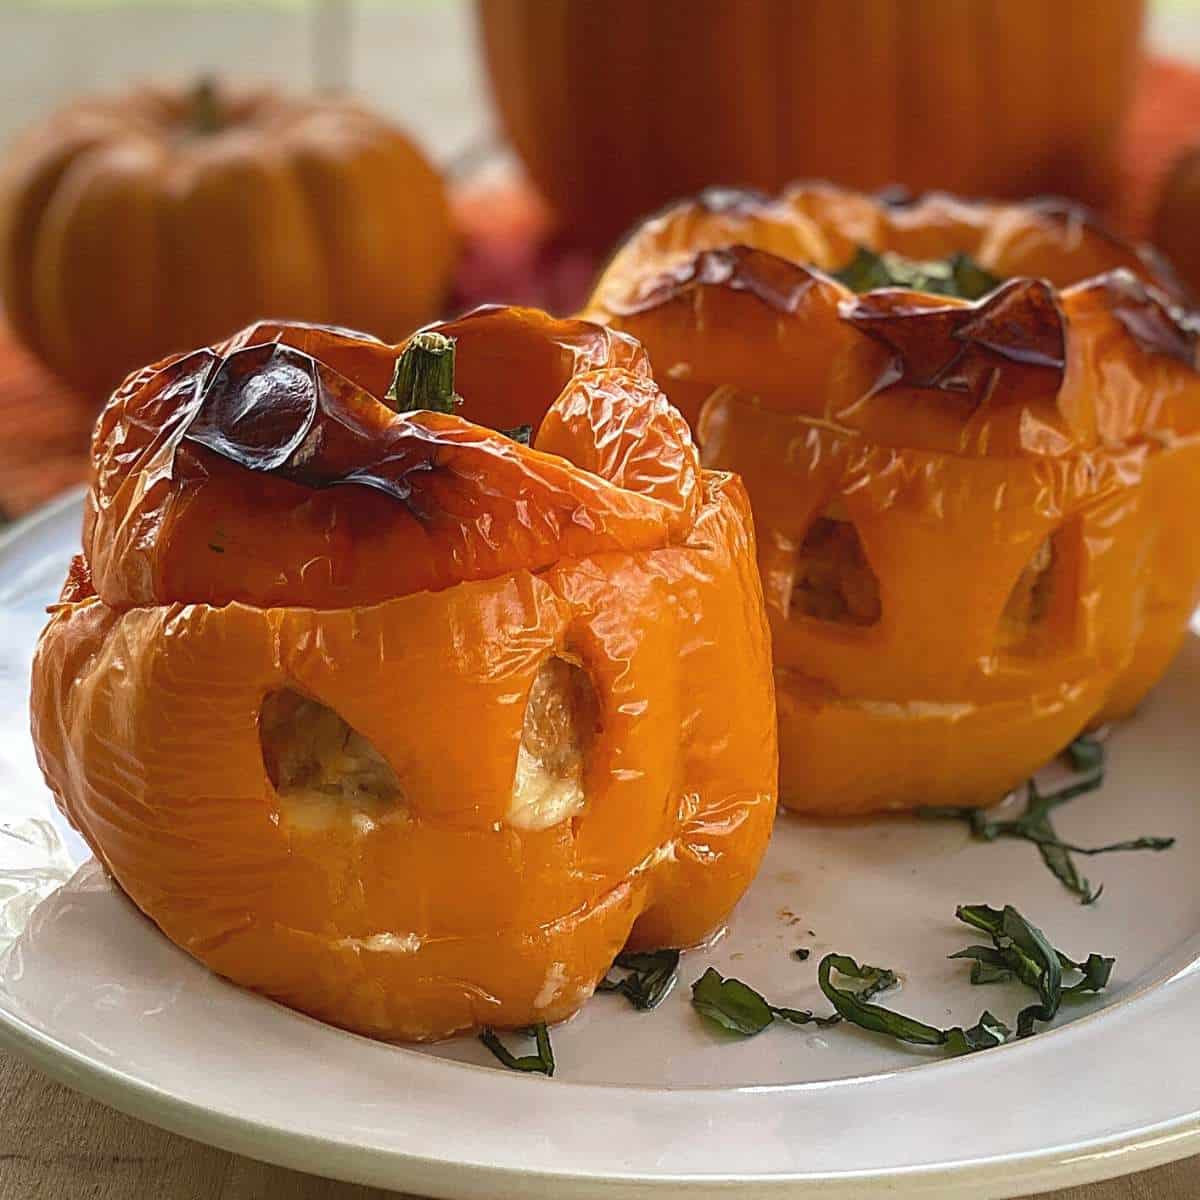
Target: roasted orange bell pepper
976, 520
395, 719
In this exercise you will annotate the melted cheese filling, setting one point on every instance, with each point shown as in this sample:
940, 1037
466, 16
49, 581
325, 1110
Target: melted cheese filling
560, 722
323, 770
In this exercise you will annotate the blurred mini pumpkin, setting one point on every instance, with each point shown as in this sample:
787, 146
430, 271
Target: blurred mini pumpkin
163, 218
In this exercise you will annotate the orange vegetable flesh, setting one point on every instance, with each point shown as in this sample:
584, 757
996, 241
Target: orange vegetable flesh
416, 729
974, 520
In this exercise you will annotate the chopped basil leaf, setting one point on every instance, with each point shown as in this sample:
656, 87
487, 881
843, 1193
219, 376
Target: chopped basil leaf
1096, 970
542, 1062
851, 1004
1035, 825
959, 275
987, 1032
519, 433
651, 976
865, 272
990, 965
731, 1004
876, 980
794, 1016
736, 1006
1141, 843
1019, 949
970, 280
1086, 753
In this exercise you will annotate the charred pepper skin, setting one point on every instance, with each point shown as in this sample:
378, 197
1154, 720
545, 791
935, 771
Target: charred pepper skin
391, 718
974, 518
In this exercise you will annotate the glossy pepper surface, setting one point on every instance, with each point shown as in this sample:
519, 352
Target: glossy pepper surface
976, 518
390, 716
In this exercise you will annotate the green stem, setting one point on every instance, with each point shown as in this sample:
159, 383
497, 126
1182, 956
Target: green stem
424, 377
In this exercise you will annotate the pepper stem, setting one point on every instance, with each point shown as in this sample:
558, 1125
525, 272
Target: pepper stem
424, 377
204, 116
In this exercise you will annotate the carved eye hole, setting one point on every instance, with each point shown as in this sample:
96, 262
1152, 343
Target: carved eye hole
322, 769
833, 579
1039, 601
561, 722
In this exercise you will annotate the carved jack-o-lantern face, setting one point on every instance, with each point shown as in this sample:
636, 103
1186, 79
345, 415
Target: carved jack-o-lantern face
971, 515
391, 717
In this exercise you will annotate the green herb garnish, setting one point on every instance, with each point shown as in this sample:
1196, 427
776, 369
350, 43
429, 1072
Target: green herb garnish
736, 1006
731, 1004
424, 376
650, 977
1086, 753
1034, 824
853, 1004
519, 433
801, 953
541, 1063
959, 275
1020, 951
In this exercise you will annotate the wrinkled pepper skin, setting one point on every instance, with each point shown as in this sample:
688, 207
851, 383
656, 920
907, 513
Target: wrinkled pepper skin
957, 447
261, 524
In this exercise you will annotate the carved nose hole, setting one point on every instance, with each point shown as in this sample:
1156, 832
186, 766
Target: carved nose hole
833, 580
322, 769
562, 718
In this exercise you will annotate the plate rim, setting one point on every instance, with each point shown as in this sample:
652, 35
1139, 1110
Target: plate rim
1017, 1174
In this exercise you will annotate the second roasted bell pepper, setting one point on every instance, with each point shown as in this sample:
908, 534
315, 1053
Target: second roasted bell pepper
976, 517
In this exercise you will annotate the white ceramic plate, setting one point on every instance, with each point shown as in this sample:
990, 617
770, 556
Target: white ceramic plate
645, 1102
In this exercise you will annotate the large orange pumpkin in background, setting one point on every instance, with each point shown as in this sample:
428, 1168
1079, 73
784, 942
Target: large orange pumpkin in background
165, 218
616, 108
